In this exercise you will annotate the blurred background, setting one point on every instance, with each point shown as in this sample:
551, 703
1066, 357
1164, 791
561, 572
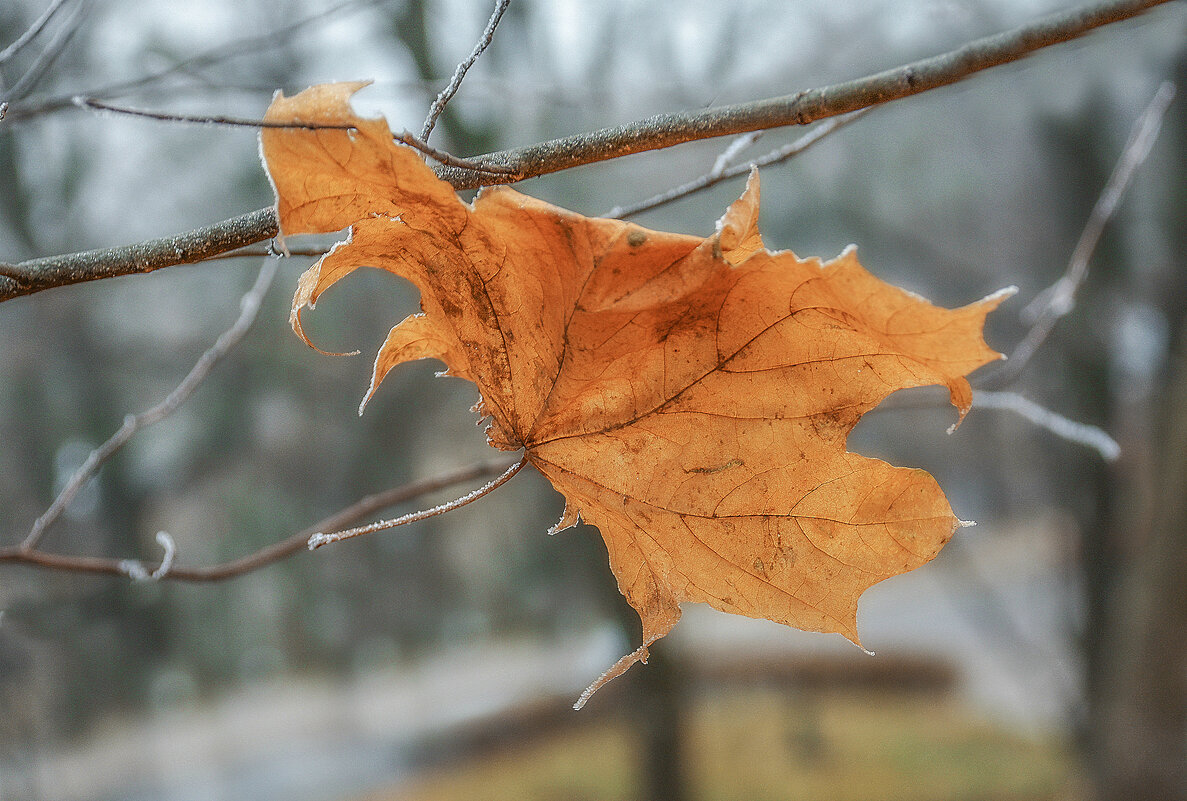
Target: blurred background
1040, 656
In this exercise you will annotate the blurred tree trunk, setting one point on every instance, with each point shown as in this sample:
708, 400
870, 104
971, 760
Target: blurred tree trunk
657, 700
1138, 713
658, 711
656, 694
1140, 725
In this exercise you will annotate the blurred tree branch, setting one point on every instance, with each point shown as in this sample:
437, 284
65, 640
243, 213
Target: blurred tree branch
653, 133
363, 508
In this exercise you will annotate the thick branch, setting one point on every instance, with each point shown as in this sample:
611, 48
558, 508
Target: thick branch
802, 108
145, 257
661, 131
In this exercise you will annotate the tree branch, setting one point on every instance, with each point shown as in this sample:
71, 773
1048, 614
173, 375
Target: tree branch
1058, 300
249, 306
35, 275
653, 133
366, 507
802, 108
459, 73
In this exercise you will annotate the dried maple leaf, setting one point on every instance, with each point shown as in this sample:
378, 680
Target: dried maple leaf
689, 396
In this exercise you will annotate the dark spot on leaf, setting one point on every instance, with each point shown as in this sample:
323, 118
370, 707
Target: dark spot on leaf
717, 469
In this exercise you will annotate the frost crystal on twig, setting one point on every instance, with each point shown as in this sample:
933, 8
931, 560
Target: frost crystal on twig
136, 570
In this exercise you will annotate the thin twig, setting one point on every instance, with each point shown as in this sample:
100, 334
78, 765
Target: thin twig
319, 539
242, 122
249, 305
202, 119
362, 508
261, 250
46, 58
453, 161
722, 172
1057, 300
253, 44
32, 31
458, 74
561, 154
1080, 433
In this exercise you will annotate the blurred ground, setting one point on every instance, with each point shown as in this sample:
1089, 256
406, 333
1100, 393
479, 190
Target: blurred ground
773, 712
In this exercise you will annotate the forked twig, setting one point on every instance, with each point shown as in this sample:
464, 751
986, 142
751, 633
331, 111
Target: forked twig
1057, 300
450, 160
362, 508
249, 307
723, 172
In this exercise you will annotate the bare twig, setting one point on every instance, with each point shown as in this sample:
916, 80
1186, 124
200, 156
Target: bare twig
201, 119
1080, 433
453, 161
1057, 300
46, 58
650, 134
319, 538
233, 49
458, 74
32, 31
249, 305
723, 172
241, 122
362, 508
257, 251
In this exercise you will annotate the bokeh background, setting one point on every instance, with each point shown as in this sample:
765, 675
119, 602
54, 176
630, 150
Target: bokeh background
1041, 656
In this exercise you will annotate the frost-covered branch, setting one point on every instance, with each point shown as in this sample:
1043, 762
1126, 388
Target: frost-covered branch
653, 133
169, 568
249, 306
1057, 300
455, 81
1080, 433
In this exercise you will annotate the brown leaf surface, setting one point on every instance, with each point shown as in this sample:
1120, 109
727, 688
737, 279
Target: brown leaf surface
691, 397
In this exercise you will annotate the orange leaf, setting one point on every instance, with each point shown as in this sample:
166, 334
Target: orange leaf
691, 397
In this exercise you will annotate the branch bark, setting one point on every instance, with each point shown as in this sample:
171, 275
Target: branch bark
35, 275
653, 133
